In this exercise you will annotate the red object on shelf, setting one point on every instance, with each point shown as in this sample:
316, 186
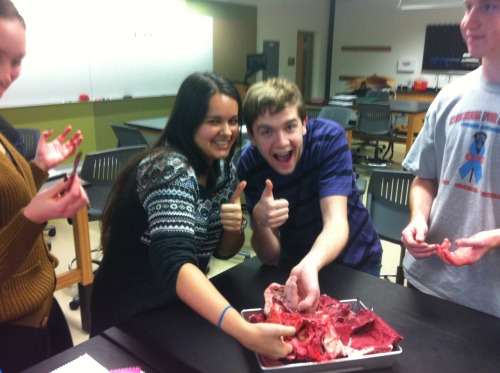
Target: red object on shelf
419, 85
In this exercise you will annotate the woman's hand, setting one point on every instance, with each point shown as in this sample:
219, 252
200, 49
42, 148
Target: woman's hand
63, 200
231, 215
50, 154
267, 339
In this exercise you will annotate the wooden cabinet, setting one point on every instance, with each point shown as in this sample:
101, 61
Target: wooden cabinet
418, 96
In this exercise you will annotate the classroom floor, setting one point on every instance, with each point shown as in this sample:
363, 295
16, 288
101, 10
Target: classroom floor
62, 247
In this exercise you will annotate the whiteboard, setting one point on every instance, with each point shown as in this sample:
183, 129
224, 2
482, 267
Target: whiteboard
108, 50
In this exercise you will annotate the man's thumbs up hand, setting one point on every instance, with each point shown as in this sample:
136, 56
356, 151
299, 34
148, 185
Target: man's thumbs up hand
268, 190
268, 211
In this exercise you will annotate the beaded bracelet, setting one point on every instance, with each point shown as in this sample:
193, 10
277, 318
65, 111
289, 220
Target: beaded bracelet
222, 315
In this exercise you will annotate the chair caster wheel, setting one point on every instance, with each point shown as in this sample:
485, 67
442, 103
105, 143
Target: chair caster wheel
75, 303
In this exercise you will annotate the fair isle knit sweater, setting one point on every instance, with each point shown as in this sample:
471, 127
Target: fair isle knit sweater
163, 219
27, 278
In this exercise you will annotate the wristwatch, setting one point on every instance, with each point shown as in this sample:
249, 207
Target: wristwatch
243, 224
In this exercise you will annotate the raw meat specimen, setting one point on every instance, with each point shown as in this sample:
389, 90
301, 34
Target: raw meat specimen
443, 250
460, 257
332, 331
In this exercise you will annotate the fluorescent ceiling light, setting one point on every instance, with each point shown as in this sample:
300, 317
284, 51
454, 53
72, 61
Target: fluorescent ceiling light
435, 5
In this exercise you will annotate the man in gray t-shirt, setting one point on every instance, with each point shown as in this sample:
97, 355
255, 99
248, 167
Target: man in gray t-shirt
456, 192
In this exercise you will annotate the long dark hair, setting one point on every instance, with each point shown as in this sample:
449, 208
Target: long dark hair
189, 111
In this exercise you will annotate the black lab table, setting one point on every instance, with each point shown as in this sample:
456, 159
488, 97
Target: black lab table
440, 336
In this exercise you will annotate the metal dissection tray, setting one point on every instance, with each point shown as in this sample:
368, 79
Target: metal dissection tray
344, 364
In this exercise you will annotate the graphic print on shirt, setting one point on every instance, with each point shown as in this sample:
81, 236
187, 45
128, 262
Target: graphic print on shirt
475, 158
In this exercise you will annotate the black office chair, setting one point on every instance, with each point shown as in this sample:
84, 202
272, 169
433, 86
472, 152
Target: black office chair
339, 114
378, 95
361, 185
30, 138
128, 136
375, 124
312, 112
387, 201
100, 169
342, 116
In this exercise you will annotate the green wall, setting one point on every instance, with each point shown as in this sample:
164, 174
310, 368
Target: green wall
119, 111
92, 118
56, 117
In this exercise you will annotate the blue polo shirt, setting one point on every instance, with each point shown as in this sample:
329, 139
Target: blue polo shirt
325, 169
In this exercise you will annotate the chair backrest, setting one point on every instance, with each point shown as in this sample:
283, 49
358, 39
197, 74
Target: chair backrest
387, 201
374, 118
312, 112
128, 136
100, 170
338, 114
30, 138
378, 95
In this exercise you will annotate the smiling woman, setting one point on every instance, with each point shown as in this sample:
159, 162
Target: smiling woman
170, 210
12, 52
28, 313
219, 130
124, 50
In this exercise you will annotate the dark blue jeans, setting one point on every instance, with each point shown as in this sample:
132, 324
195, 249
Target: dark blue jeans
373, 270
22, 347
